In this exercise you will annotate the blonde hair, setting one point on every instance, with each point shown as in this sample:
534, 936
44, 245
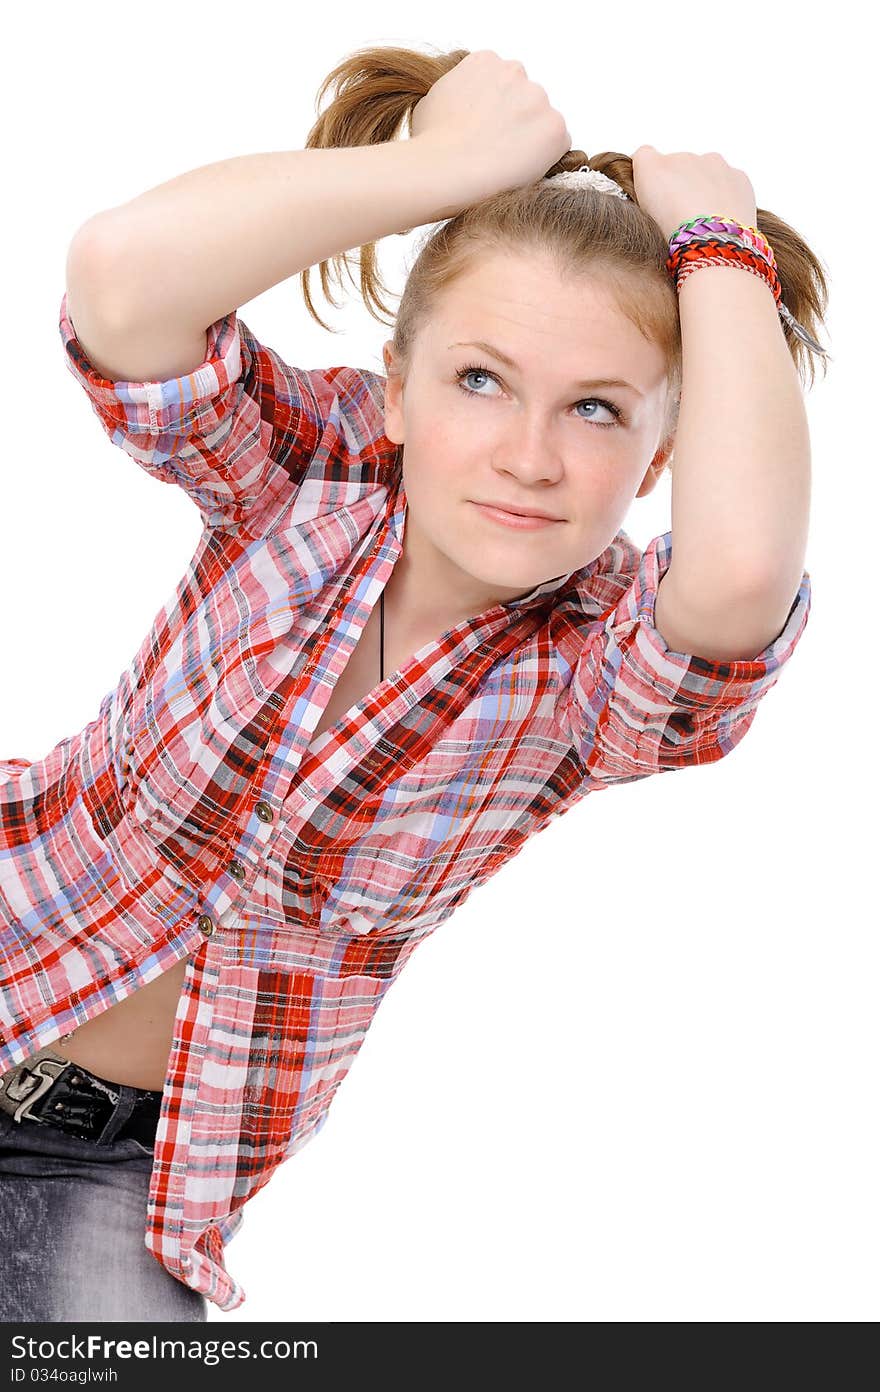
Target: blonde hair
583, 231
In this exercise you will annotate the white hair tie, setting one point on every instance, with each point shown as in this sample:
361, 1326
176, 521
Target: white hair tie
575, 178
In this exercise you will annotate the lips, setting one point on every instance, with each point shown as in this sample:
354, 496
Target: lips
518, 521
520, 511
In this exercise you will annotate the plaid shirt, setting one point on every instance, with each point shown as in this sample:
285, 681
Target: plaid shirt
191, 819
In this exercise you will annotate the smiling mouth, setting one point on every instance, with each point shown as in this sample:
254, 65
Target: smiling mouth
518, 521
518, 511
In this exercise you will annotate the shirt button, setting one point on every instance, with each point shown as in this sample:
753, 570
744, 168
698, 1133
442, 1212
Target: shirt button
206, 924
264, 812
237, 869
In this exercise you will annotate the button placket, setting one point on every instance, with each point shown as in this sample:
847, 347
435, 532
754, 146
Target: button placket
238, 870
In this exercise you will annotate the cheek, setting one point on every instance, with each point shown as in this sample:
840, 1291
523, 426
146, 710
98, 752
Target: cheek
438, 468
601, 499
618, 473
597, 484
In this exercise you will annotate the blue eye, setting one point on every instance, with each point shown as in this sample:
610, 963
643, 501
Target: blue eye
478, 370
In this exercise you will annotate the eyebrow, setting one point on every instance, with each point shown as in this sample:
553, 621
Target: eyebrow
508, 362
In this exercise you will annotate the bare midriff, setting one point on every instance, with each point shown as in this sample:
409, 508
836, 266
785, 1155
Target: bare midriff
131, 1042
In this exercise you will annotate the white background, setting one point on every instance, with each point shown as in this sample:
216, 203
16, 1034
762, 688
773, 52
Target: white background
634, 1078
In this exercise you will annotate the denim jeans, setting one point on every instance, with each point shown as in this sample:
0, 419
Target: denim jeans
72, 1220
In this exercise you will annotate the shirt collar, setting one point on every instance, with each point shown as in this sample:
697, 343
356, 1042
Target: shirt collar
546, 587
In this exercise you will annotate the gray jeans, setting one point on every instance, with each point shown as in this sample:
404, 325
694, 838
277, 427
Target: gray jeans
72, 1220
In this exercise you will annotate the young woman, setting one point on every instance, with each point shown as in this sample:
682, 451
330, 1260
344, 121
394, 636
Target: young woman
412, 633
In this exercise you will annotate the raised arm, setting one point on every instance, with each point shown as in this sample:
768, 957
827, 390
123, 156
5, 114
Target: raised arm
147, 278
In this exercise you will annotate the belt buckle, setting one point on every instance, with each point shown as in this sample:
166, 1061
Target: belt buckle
21, 1088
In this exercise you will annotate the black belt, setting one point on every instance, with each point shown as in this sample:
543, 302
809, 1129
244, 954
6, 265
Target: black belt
54, 1091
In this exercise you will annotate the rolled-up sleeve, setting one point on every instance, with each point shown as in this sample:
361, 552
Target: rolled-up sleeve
633, 706
237, 433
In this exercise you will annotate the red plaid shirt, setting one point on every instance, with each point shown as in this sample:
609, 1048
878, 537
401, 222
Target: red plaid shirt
188, 819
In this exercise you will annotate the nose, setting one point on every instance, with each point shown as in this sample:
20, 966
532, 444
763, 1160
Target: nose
530, 458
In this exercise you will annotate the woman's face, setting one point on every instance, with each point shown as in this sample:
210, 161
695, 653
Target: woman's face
535, 435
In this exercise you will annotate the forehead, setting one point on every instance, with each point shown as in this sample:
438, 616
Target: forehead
543, 320
524, 278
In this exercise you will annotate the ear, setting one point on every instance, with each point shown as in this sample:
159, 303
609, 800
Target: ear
655, 469
393, 396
